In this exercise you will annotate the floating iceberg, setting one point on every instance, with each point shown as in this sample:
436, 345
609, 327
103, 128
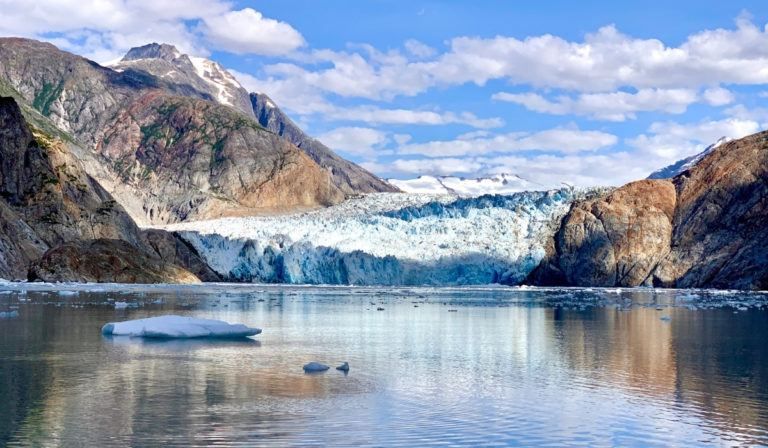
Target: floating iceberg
178, 327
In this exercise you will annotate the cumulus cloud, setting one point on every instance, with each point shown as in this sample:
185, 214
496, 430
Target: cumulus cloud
561, 140
614, 106
103, 30
671, 141
718, 96
364, 142
248, 32
603, 62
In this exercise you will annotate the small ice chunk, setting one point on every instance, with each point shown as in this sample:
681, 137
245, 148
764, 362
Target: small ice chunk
344, 367
178, 327
121, 305
8, 314
315, 367
67, 293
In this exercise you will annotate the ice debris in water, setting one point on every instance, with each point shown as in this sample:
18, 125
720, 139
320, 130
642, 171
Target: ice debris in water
178, 327
8, 314
315, 367
121, 305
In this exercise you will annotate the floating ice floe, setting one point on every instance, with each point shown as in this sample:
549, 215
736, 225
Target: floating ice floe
178, 327
121, 305
8, 314
315, 367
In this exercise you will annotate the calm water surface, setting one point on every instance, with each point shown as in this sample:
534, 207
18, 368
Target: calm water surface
483, 366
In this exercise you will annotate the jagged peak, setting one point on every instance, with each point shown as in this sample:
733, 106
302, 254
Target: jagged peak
154, 50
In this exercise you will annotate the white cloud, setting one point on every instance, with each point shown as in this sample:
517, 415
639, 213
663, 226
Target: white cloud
670, 141
248, 32
306, 100
718, 96
364, 142
103, 30
419, 49
614, 106
562, 140
603, 62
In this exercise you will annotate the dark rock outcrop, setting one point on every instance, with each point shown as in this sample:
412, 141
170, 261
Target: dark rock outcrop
48, 201
105, 261
173, 249
707, 227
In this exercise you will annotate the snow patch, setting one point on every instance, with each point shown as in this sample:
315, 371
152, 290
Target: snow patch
219, 78
178, 327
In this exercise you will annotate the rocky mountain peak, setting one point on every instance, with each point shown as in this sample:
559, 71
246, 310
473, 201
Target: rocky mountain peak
154, 50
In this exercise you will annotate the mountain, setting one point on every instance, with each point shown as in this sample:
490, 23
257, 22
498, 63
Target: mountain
200, 74
349, 177
217, 84
685, 164
48, 202
161, 146
502, 183
706, 227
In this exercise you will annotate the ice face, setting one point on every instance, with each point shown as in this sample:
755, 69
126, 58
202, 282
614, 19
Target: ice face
388, 239
178, 327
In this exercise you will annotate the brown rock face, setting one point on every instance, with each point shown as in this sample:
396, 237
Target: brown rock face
105, 261
707, 227
181, 158
617, 239
721, 223
48, 201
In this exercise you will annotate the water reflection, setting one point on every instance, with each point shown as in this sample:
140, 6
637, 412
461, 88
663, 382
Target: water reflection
506, 368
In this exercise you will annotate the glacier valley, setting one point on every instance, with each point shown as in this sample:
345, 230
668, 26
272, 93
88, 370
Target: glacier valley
388, 239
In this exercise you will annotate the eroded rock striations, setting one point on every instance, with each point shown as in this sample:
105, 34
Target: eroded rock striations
48, 203
706, 227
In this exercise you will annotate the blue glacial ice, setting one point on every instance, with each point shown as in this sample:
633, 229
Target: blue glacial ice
388, 239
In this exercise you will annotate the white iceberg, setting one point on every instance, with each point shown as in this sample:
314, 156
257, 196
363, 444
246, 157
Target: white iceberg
178, 327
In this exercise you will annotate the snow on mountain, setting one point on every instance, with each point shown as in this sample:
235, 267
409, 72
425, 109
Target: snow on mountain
220, 79
205, 76
388, 239
687, 163
459, 186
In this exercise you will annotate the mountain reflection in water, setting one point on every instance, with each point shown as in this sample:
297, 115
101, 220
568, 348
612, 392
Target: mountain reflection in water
508, 367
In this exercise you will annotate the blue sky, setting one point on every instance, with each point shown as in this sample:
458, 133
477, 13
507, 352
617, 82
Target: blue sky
597, 93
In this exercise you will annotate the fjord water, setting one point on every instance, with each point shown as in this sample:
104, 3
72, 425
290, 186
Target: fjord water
473, 366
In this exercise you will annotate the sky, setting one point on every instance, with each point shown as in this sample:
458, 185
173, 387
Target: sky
586, 93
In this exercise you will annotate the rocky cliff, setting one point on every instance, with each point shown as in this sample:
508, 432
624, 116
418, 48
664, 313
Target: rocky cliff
349, 177
48, 201
706, 227
165, 147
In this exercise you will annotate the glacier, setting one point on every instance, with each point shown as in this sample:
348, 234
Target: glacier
388, 239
